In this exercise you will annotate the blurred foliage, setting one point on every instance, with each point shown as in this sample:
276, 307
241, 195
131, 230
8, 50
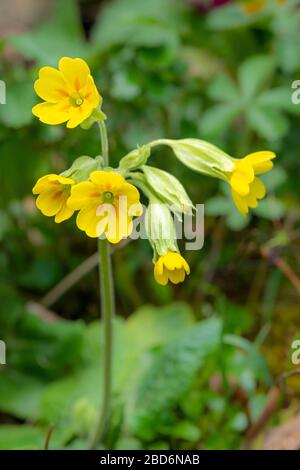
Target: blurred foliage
164, 68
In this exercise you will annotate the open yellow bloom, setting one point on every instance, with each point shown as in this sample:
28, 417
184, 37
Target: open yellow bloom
170, 267
69, 93
54, 191
246, 188
106, 204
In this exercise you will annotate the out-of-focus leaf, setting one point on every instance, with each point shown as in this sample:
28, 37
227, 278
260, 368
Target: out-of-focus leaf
218, 118
61, 36
278, 98
269, 123
25, 437
171, 374
138, 23
254, 74
20, 395
20, 98
270, 208
150, 326
223, 88
229, 17
254, 357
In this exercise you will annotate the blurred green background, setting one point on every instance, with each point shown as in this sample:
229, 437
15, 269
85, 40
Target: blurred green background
202, 365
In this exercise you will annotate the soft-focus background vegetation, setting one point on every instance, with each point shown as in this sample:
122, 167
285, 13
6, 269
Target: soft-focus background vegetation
204, 365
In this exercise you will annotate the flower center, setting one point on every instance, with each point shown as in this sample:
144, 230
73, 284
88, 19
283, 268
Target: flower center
108, 197
76, 101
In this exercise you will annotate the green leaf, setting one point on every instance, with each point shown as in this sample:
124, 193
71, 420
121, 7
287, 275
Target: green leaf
170, 375
61, 36
223, 88
229, 17
218, 118
254, 358
20, 394
270, 208
22, 437
20, 98
150, 326
278, 98
138, 23
254, 74
268, 123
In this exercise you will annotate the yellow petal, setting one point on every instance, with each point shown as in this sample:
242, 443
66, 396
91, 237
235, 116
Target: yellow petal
75, 72
173, 261
108, 180
84, 194
52, 113
64, 213
42, 184
132, 193
251, 200
90, 93
61, 179
240, 203
177, 276
261, 161
50, 202
79, 114
160, 276
51, 85
239, 184
87, 221
258, 189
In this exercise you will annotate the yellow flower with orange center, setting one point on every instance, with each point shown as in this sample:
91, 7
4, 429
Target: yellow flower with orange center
53, 192
107, 203
246, 188
69, 93
171, 267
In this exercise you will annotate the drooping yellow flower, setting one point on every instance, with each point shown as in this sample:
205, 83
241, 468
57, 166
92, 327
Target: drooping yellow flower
171, 267
107, 203
246, 188
69, 93
54, 191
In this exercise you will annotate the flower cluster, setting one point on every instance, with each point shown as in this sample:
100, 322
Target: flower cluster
107, 199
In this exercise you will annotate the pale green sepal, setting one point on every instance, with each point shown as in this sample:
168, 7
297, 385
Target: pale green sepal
169, 190
97, 115
200, 156
82, 167
160, 229
135, 159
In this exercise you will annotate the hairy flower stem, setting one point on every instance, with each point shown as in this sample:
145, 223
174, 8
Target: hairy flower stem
107, 311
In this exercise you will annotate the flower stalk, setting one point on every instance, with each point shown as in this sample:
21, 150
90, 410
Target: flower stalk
107, 296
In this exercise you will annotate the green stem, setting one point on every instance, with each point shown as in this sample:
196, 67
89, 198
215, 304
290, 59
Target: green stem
108, 311
104, 142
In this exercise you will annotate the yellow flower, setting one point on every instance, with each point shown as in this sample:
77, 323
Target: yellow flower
69, 93
170, 267
54, 191
256, 6
253, 6
246, 188
106, 204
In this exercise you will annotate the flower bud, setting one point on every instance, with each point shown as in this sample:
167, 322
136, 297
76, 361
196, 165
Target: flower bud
160, 229
168, 189
135, 159
200, 156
